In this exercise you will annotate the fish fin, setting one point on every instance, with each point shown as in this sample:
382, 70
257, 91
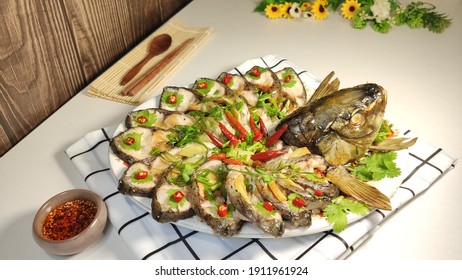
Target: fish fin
325, 87
357, 189
394, 144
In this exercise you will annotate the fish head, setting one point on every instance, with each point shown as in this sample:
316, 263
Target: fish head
350, 120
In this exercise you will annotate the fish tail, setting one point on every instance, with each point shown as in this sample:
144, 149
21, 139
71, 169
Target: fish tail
357, 189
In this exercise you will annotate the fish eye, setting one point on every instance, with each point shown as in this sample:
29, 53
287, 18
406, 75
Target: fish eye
357, 118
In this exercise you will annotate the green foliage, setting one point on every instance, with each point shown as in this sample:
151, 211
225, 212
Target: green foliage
292, 207
141, 181
151, 118
292, 81
166, 96
183, 134
376, 167
384, 132
423, 15
136, 146
172, 203
336, 212
382, 27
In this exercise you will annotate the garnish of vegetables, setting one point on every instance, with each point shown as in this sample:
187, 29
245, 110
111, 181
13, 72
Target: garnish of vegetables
131, 141
183, 134
336, 212
144, 118
376, 167
172, 99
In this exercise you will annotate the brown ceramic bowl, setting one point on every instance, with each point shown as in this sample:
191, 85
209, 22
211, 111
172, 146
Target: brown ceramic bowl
86, 237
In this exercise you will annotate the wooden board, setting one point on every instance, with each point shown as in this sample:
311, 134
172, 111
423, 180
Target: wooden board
50, 50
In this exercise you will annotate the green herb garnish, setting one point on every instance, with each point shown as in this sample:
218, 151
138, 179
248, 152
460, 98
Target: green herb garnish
263, 210
172, 203
336, 212
177, 97
291, 82
384, 132
141, 181
292, 207
376, 167
183, 134
144, 114
131, 141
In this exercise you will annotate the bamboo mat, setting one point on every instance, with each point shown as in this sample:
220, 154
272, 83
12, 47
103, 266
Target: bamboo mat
107, 85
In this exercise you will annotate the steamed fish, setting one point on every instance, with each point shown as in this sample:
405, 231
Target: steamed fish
209, 200
256, 147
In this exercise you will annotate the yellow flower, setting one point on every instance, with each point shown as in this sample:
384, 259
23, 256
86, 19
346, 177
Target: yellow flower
349, 8
273, 11
305, 6
286, 10
319, 9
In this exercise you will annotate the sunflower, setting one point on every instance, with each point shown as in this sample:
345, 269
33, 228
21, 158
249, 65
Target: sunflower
349, 8
273, 11
319, 9
305, 6
286, 10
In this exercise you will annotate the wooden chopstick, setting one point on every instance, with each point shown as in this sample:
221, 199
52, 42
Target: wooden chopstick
139, 83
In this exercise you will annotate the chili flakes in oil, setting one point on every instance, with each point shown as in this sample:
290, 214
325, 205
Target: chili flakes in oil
69, 219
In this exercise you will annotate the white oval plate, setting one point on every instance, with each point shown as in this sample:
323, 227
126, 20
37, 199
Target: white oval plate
387, 186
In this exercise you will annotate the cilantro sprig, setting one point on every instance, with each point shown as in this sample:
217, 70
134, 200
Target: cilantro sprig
336, 213
376, 167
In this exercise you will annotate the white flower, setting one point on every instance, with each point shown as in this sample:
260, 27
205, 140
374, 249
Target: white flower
295, 11
381, 10
307, 14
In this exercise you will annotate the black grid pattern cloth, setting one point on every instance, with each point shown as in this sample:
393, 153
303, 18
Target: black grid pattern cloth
149, 239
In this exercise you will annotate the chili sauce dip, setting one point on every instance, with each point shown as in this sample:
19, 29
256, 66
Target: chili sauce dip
69, 219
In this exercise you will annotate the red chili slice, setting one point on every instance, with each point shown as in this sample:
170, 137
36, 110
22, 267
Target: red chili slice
265, 156
178, 196
141, 175
202, 85
320, 173
222, 210
268, 205
172, 99
129, 141
256, 72
141, 119
318, 192
298, 202
270, 141
227, 79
